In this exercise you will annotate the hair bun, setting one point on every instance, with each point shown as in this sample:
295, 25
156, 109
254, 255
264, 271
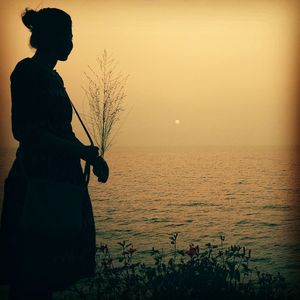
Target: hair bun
29, 18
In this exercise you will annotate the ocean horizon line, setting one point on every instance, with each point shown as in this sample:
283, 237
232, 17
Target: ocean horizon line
183, 147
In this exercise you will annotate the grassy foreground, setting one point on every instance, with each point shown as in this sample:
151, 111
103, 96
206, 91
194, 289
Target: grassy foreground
207, 272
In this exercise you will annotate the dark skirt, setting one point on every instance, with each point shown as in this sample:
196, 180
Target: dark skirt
29, 262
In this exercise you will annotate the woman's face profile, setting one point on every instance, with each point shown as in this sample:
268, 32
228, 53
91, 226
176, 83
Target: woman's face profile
64, 44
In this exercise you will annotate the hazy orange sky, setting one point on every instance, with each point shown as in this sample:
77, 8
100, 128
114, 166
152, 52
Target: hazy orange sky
224, 69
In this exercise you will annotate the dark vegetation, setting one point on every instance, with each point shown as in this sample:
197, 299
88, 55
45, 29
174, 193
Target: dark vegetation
206, 272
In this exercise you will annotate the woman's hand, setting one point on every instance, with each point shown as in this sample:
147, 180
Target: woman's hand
90, 154
101, 169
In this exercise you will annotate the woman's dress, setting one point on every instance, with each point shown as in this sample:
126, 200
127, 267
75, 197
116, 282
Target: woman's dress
41, 121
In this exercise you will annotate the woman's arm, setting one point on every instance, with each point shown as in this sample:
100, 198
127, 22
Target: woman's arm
50, 142
27, 119
80, 145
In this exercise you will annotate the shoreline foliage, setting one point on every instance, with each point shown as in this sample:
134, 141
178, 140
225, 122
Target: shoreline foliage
206, 272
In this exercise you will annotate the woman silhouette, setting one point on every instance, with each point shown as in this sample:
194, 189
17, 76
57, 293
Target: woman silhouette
41, 121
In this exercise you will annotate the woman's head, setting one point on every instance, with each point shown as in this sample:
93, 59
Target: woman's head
51, 31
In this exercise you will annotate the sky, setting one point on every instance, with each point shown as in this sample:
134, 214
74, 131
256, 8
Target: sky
201, 73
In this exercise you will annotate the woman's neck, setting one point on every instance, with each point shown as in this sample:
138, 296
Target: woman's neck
45, 59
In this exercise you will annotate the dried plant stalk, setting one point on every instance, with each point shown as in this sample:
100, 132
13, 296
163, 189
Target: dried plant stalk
105, 93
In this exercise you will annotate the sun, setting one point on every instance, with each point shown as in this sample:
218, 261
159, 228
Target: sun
177, 122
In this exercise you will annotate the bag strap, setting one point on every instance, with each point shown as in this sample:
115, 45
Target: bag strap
85, 129
87, 167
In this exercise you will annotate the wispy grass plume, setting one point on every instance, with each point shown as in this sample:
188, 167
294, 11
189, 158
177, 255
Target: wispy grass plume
105, 91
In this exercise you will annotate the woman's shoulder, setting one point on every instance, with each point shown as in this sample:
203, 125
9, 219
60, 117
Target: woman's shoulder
24, 68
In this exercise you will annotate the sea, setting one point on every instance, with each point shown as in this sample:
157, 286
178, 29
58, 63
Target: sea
248, 194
